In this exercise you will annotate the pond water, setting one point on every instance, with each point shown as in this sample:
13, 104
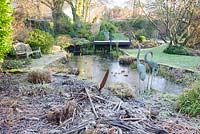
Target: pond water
94, 68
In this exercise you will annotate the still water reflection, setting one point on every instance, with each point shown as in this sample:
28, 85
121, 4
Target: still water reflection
94, 68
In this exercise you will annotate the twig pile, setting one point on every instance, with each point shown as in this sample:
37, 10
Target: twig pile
72, 107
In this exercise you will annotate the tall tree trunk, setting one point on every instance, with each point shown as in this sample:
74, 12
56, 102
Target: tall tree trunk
56, 6
57, 18
86, 9
76, 18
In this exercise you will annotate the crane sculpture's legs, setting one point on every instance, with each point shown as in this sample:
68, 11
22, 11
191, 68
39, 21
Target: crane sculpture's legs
139, 87
151, 81
148, 82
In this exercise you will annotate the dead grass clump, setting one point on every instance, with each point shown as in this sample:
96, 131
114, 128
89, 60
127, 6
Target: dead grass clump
123, 90
60, 114
126, 60
74, 71
39, 76
35, 90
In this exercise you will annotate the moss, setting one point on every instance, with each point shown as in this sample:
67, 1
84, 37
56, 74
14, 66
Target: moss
16, 71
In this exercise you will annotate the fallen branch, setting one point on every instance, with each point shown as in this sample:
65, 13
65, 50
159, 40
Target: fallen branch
103, 82
119, 105
64, 123
101, 98
119, 123
133, 119
77, 128
93, 109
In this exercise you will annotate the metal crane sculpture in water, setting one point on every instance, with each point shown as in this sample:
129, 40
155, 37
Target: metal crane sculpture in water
153, 68
140, 67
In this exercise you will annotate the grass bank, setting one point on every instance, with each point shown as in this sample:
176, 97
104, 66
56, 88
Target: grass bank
177, 61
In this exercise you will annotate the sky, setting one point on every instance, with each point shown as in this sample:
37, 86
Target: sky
119, 2
112, 3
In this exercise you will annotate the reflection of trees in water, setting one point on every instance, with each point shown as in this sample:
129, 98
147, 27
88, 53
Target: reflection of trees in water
94, 68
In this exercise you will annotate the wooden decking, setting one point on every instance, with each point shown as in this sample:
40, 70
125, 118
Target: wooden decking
122, 43
110, 44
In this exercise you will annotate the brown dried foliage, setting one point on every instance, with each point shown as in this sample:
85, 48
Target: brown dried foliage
127, 60
39, 76
60, 114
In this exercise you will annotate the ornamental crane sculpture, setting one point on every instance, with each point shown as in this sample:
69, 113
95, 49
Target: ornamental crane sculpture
140, 67
153, 68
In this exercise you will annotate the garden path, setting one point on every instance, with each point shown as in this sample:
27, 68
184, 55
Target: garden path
45, 60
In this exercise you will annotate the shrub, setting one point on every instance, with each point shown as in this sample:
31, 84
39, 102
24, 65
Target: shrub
12, 64
189, 101
81, 30
150, 43
140, 26
106, 25
38, 38
15, 64
5, 28
100, 36
141, 38
39, 24
84, 31
63, 41
177, 49
80, 41
11, 52
39, 76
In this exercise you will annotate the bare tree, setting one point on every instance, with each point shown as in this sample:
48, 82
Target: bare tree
177, 16
80, 9
57, 13
135, 5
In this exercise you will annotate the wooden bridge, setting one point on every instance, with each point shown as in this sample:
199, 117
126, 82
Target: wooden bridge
111, 44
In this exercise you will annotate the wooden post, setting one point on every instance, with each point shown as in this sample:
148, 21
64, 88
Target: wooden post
110, 45
94, 48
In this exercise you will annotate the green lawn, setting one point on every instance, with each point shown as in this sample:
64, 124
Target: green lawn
180, 61
119, 36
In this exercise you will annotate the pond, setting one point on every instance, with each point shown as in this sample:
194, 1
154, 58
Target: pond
94, 67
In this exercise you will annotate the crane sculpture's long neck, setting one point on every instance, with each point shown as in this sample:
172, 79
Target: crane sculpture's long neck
146, 54
138, 55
